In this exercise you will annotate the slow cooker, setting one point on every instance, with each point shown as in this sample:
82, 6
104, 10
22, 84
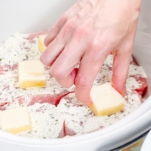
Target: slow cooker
36, 15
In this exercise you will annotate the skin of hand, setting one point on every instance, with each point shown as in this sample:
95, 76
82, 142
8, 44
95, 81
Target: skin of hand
85, 35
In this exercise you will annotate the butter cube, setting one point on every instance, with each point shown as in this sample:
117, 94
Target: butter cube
106, 100
31, 74
15, 120
41, 44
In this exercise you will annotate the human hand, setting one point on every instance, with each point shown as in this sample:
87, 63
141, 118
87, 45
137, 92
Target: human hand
86, 34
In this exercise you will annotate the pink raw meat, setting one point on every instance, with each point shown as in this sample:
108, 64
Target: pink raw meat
143, 88
5, 68
48, 98
21, 100
66, 131
138, 94
62, 132
69, 131
3, 105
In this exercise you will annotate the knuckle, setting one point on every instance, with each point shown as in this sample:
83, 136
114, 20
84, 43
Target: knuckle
69, 25
95, 46
57, 73
103, 43
81, 82
81, 33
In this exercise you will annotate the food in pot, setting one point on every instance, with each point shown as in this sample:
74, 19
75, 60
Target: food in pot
54, 111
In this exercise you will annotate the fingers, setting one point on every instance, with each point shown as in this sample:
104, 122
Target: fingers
89, 68
57, 45
51, 52
120, 68
62, 68
69, 79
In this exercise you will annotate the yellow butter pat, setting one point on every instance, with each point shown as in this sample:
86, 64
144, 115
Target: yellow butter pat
31, 74
15, 120
41, 44
106, 100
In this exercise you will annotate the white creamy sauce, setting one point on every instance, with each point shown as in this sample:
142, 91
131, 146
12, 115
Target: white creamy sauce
47, 119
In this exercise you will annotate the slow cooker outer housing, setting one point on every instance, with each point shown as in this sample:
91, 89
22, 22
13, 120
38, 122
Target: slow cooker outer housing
31, 16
